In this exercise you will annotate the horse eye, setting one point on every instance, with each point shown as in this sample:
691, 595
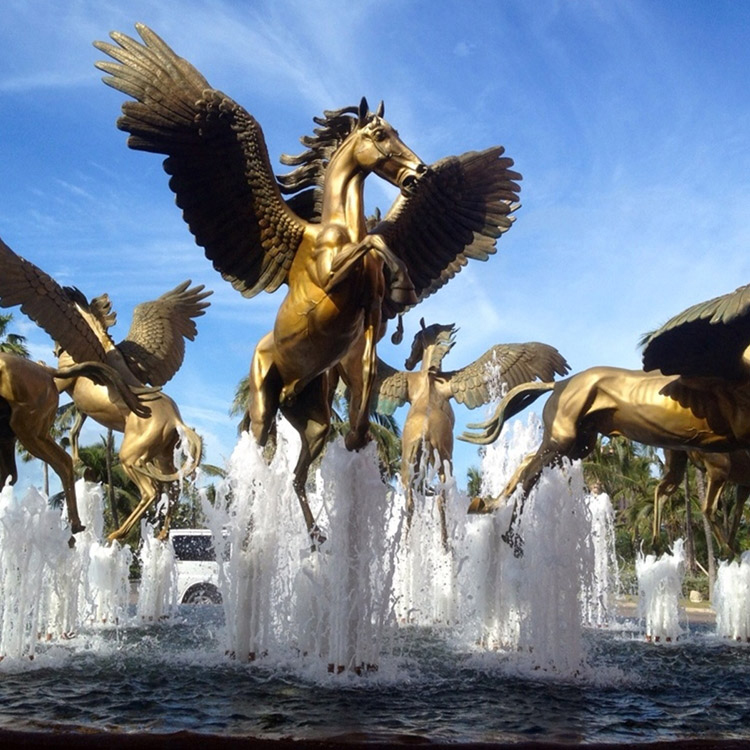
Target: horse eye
379, 135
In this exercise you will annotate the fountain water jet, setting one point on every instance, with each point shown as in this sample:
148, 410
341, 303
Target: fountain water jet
281, 599
732, 599
659, 589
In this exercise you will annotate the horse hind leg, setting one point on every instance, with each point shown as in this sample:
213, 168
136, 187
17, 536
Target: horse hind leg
148, 491
743, 492
713, 492
310, 415
45, 448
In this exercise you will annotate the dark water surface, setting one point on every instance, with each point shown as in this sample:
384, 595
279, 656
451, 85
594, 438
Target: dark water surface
173, 677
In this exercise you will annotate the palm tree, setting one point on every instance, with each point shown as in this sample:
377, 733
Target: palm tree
473, 481
11, 343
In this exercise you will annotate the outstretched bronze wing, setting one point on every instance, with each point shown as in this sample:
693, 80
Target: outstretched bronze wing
456, 213
706, 340
49, 305
155, 345
505, 364
217, 158
391, 388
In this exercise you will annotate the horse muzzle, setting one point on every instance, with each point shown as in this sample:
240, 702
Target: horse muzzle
408, 178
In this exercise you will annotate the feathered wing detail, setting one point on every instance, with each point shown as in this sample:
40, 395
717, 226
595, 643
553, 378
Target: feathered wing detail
456, 213
706, 340
49, 305
391, 388
155, 345
505, 364
217, 158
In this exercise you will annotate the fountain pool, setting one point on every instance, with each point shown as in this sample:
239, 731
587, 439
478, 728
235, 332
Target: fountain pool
473, 647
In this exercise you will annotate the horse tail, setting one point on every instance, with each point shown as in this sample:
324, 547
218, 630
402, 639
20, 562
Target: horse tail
194, 451
103, 374
515, 401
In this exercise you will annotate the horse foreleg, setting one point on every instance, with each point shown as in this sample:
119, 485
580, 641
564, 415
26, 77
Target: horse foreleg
264, 392
75, 433
675, 463
440, 500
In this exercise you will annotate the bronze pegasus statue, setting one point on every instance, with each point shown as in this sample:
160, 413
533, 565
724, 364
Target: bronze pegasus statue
344, 281
693, 394
151, 353
427, 435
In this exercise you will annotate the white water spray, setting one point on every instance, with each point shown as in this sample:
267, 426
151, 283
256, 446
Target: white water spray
732, 599
659, 589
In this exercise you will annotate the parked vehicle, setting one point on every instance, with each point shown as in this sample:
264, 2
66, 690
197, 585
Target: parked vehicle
197, 569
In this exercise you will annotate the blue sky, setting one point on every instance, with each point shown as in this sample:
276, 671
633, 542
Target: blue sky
628, 120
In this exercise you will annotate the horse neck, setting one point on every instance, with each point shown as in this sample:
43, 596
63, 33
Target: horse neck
343, 193
432, 358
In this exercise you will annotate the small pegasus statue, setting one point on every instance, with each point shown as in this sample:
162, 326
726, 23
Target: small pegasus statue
427, 436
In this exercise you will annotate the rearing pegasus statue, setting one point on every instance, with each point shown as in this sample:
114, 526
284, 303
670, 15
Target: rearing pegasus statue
344, 282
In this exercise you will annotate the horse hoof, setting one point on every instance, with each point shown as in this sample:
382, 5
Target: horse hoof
355, 442
317, 537
477, 505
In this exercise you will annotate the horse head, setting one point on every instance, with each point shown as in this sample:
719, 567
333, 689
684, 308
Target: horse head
98, 315
430, 345
377, 148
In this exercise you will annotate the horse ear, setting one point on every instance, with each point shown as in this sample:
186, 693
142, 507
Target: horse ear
363, 109
398, 334
381, 109
421, 322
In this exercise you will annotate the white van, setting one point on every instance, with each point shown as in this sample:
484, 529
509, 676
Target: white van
197, 569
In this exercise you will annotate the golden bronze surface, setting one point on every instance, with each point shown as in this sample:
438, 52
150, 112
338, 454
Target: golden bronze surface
707, 408
152, 352
28, 406
344, 281
427, 435
720, 468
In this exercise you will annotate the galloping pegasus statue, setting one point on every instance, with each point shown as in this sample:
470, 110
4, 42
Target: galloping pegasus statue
693, 394
344, 282
151, 353
427, 435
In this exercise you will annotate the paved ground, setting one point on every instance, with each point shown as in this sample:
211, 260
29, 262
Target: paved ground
695, 612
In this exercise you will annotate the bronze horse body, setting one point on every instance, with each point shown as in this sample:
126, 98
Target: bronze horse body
345, 279
427, 436
151, 353
720, 468
28, 407
148, 444
694, 394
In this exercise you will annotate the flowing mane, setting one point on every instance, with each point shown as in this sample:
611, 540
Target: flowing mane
336, 126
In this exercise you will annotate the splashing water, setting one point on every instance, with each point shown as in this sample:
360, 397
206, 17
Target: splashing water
659, 589
157, 595
600, 590
732, 599
281, 597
